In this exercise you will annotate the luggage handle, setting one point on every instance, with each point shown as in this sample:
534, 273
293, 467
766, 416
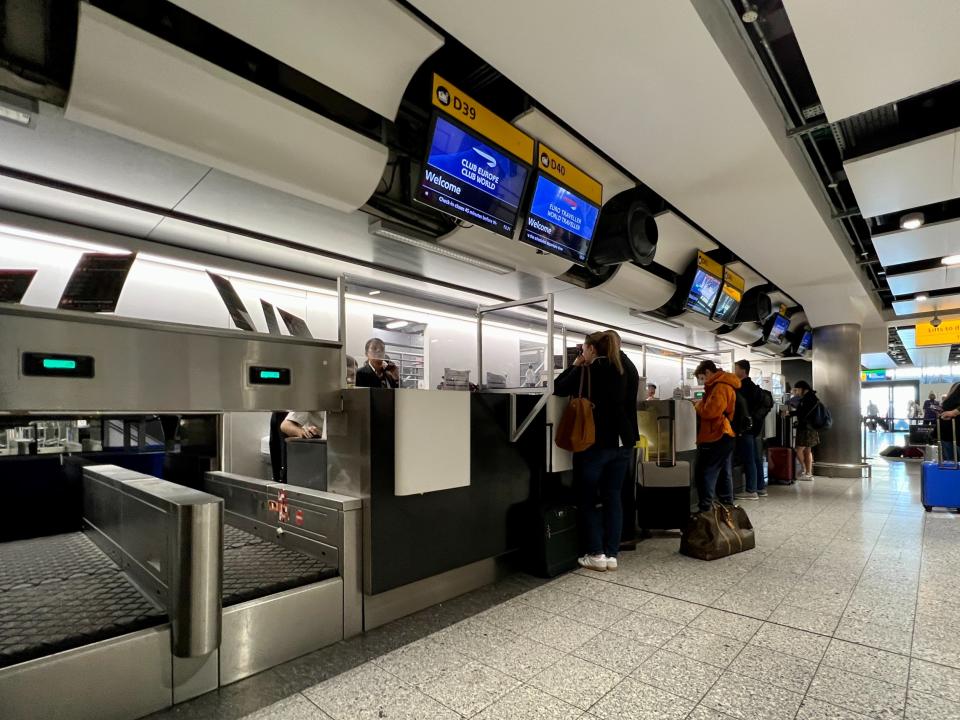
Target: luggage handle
673, 445
956, 460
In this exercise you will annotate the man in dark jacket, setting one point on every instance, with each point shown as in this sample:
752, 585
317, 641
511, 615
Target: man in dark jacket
629, 491
746, 447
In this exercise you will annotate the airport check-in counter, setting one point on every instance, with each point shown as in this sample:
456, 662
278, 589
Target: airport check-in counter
152, 598
444, 490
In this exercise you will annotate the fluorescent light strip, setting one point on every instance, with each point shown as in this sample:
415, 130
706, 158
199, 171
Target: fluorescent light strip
951, 260
59, 240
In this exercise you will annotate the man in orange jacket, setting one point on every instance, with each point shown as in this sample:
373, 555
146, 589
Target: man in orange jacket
715, 436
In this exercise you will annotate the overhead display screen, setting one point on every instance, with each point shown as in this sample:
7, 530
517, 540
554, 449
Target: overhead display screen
564, 209
728, 299
470, 179
477, 164
806, 343
780, 325
705, 286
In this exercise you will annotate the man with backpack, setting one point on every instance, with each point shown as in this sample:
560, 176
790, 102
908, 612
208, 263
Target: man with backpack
715, 435
758, 403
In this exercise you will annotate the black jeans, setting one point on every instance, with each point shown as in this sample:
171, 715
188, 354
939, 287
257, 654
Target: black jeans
600, 471
713, 472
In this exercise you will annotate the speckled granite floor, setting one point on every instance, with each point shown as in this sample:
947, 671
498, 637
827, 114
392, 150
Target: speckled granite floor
847, 610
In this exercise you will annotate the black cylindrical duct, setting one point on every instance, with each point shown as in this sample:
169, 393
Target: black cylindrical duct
755, 306
626, 232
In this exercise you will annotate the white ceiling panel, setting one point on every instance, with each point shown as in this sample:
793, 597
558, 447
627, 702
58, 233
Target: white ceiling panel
877, 361
542, 127
867, 53
937, 278
936, 304
368, 53
676, 110
919, 173
678, 242
750, 278
164, 97
926, 356
925, 243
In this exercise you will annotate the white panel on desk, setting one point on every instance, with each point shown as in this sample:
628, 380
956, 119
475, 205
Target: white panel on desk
933, 279
367, 52
928, 242
907, 176
678, 242
432, 441
866, 53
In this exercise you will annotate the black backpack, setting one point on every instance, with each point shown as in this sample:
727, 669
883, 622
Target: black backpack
820, 417
742, 423
766, 404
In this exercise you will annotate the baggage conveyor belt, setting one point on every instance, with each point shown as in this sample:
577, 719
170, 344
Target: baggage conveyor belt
60, 592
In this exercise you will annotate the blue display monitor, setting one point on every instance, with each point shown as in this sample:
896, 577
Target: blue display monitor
560, 221
469, 178
780, 325
806, 343
703, 292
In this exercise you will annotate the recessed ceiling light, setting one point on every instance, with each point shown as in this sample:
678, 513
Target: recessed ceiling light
911, 221
373, 292
750, 15
951, 260
397, 324
920, 298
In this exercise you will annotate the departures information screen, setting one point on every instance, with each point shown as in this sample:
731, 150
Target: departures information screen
468, 178
560, 221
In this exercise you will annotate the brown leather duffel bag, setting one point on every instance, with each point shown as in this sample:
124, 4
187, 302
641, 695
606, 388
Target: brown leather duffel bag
715, 533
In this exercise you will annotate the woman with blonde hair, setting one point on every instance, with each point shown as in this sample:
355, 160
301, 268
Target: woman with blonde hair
601, 468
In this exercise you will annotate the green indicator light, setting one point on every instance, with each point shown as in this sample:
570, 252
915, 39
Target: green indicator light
55, 364
269, 374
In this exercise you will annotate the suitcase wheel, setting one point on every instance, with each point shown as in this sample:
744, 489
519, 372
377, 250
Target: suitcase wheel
928, 508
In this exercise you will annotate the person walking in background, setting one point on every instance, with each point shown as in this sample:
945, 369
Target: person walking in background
931, 408
746, 442
715, 436
807, 437
601, 468
530, 377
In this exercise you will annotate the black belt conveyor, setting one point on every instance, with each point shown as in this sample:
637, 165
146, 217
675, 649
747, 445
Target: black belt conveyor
254, 568
61, 592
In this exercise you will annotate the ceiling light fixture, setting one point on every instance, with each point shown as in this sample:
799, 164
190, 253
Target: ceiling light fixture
920, 298
383, 229
750, 14
16, 109
373, 292
397, 324
951, 260
911, 221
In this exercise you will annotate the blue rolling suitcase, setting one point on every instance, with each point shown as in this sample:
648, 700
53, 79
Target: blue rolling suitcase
940, 480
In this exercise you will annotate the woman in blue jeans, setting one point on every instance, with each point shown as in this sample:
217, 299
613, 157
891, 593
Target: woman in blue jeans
599, 470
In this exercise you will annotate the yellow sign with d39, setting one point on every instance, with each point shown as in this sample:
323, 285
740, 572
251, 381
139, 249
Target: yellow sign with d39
458, 104
946, 333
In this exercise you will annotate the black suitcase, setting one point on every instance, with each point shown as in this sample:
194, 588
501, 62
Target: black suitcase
554, 547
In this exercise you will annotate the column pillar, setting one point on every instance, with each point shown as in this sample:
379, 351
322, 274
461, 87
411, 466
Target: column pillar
836, 378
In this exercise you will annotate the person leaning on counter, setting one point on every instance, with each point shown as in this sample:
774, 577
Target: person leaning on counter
377, 372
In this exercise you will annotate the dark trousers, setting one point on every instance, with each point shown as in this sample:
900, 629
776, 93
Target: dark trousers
598, 474
761, 478
747, 452
714, 477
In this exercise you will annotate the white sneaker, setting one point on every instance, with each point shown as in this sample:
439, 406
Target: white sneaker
594, 562
804, 476
612, 563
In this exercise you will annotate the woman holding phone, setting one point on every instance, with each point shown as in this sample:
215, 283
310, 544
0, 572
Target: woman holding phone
601, 468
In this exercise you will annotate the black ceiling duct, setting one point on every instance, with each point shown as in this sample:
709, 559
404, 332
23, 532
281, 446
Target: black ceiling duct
626, 232
755, 306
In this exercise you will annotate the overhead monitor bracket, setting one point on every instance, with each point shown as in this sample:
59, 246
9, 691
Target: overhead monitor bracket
545, 392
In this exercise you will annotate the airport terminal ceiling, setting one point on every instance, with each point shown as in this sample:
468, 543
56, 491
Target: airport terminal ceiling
767, 174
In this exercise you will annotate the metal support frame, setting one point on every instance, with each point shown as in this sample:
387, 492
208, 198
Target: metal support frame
517, 430
698, 356
342, 326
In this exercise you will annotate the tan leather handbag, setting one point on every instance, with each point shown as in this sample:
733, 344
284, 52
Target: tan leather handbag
576, 431
720, 531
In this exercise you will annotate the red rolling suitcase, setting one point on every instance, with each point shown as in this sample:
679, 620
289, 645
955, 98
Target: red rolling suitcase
782, 461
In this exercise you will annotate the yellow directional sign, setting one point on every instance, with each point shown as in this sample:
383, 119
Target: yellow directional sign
468, 111
947, 333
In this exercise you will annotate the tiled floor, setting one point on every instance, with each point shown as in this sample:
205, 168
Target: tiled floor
848, 609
